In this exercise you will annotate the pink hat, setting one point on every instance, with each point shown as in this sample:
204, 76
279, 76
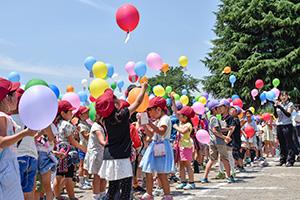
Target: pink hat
158, 102
187, 111
6, 87
65, 106
105, 104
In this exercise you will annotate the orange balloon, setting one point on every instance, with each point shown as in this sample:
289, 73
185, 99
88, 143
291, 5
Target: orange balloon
165, 68
144, 79
70, 88
227, 70
133, 94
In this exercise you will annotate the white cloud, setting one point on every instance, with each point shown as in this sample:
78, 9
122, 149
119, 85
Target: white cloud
4, 42
10, 64
99, 5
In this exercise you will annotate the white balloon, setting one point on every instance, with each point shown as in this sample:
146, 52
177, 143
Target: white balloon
115, 77
84, 82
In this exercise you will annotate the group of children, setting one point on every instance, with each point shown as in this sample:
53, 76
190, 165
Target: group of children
121, 148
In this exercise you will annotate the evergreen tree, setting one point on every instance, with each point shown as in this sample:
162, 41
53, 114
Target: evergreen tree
259, 39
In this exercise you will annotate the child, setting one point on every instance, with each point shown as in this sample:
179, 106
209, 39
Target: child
158, 157
10, 185
116, 166
185, 129
268, 138
84, 128
217, 144
94, 158
66, 144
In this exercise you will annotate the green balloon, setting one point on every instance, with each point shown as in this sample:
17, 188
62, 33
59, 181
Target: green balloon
168, 89
165, 96
176, 97
92, 112
197, 98
276, 82
113, 86
34, 82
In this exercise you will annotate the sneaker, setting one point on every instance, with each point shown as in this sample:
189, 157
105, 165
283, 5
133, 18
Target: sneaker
204, 180
280, 164
242, 169
167, 197
289, 165
86, 182
174, 179
230, 180
158, 191
220, 175
181, 186
147, 196
85, 187
189, 186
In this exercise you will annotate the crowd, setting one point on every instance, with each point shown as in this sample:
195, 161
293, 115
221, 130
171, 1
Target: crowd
124, 151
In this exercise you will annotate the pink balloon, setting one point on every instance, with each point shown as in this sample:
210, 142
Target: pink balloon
277, 92
198, 108
154, 61
73, 99
203, 136
129, 67
254, 93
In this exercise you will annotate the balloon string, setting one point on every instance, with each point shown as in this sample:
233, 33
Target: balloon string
127, 37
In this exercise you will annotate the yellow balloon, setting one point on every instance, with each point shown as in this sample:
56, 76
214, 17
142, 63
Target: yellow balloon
100, 69
159, 91
183, 61
252, 109
202, 100
184, 100
97, 87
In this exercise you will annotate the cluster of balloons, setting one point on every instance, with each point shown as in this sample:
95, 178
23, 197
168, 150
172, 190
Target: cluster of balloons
265, 96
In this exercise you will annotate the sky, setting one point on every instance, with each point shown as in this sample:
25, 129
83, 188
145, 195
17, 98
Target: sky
50, 39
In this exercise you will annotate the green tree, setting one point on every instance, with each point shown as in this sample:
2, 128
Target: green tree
259, 39
177, 79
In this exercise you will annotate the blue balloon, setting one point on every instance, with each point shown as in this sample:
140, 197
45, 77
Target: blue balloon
120, 84
235, 96
55, 89
271, 95
110, 69
14, 77
232, 79
169, 102
83, 96
263, 97
184, 92
89, 62
140, 68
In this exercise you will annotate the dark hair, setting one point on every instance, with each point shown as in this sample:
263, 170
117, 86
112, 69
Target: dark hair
284, 93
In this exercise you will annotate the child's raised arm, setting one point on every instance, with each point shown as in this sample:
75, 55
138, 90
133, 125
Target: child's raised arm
138, 100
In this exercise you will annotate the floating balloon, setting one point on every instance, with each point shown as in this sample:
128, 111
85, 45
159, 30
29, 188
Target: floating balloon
227, 70
184, 92
34, 82
165, 68
133, 94
198, 108
140, 69
252, 109
73, 99
259, 84
159, 91
89, 62
205, 94
110, 70
176, 96
129, 67
92, 111
97, 87
276, 91
14, 77
120, 84
113, 86
84, 83
263, 98
202, 100
270, 95
266, 117
154, 61
168, 89
183, 61
275, 82
83, 96
127, 17
235, 96
184, 100
100, 69
203, 136
238, 102
70, 88
144, 79
55, 90
232, 80
133, 78
38, 107
249, 131
254, 93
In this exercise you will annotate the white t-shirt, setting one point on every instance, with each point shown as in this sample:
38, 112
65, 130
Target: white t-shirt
27, 146
163, 121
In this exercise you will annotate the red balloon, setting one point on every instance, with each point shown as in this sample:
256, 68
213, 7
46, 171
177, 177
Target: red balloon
195, 121
259, 84
92, 99
133, 78
127, 17
238, 102
249, 130
266, 117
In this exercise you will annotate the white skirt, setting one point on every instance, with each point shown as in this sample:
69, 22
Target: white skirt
117, 169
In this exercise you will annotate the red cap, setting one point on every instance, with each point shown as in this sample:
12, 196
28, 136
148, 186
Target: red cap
158, 102
105, 104
123, 104
6, 87
81, 110
187, 111
65, 106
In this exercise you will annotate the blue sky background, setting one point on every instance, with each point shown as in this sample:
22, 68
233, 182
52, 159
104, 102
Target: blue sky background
50, 39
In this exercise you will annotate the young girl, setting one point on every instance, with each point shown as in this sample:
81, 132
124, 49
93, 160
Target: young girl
116, 166
94, 158
268, 138
158, 157
84, 128
184, 129
10, 186
66, 143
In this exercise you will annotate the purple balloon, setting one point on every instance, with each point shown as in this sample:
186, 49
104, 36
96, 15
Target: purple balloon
178, 105
205, 94
38, 107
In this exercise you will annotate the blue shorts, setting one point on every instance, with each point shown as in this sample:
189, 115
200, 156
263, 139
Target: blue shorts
28, 167
47, 161
81, 155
